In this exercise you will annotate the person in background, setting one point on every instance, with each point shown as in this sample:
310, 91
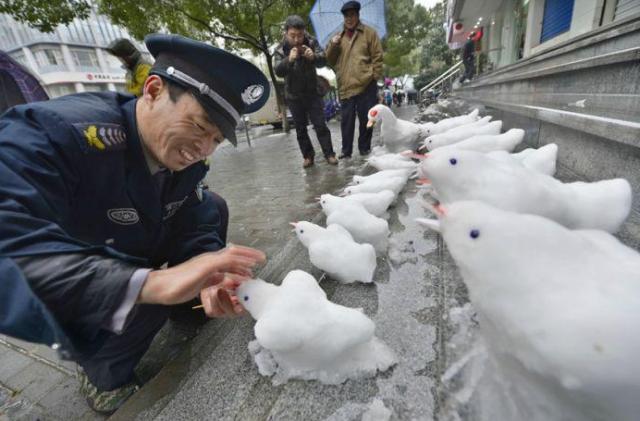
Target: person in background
136, 65
469, 58
356, 56
400, 97
388, 96
296, 60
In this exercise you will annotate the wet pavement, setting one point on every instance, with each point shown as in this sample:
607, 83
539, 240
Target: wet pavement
416, 285
265, 187
417, 302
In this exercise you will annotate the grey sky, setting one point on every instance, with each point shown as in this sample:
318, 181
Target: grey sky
427, 3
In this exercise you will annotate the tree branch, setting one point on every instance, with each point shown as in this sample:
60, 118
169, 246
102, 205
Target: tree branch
246, 39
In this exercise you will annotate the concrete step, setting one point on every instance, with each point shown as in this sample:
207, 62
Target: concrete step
583, 95
417, 286
601, 65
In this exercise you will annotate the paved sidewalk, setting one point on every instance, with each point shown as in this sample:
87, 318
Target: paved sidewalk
265, 187
416, 285
213, 375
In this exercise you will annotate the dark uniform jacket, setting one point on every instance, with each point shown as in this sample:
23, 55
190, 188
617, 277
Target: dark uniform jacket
300, 76
80, 212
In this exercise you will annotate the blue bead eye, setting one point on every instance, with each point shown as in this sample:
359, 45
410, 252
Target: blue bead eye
301, 231
453, 161
474, 234
246, 298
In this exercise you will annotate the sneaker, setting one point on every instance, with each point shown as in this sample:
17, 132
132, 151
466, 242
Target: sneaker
365, 153
307, 162
343, 156
104, 402
332, 160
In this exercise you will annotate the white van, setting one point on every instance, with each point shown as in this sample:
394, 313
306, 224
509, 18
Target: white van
270, 113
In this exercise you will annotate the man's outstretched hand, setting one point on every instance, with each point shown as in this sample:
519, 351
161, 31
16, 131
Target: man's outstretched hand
182, 283
220, 300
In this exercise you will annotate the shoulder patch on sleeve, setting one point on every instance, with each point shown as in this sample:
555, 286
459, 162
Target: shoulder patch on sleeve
101, 137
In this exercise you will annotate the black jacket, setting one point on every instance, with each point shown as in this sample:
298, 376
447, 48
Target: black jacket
300, 76
80, 212
468, 50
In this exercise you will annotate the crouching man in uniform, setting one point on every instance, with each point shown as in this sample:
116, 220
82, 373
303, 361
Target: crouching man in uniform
100, 190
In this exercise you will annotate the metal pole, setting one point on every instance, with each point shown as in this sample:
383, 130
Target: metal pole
246, 130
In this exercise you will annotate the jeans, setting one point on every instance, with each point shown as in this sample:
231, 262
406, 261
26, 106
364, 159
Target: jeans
358, 105
469, 69
313, 107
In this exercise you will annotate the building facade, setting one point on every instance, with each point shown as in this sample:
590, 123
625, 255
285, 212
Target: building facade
72, 58
517, 29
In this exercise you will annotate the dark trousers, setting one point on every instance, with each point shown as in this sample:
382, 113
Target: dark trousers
357, 105
469, 69
312, 109
112, 366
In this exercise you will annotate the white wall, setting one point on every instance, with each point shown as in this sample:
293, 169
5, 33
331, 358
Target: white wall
494, 46
586, 17
509, 23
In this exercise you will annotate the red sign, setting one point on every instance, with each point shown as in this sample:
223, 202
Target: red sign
100, 77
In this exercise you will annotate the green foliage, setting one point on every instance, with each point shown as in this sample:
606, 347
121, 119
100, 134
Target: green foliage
415, 42
45, 15
436, 57
254, 24
407, 25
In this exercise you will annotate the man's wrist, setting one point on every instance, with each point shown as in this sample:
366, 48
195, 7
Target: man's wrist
121, 316
149, 293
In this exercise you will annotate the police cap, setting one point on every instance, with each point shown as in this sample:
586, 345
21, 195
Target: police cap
350, 5
226, 85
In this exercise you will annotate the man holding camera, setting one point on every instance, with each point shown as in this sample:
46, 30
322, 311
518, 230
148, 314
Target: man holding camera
297, 58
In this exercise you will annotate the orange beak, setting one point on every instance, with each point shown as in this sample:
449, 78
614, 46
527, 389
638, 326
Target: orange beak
423, 181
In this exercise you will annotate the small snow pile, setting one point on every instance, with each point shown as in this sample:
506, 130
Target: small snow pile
377, 412
301, 334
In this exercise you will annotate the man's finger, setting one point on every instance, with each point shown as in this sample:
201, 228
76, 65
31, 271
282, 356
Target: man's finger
217, 310
207, 303
218, 276
238, 265
236, 278
231, 284
215, 278
237, 307
224, 300
249, 252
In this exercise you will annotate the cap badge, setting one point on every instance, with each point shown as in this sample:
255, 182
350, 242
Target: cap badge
252, 93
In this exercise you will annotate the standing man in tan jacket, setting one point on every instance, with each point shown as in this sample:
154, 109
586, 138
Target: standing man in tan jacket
356, 56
